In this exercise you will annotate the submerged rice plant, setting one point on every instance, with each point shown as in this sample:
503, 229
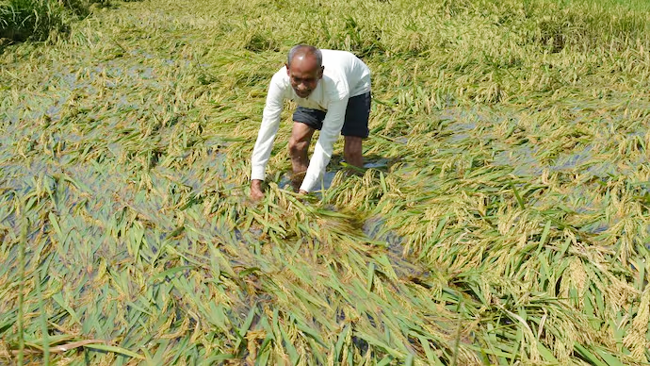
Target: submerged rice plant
502, 216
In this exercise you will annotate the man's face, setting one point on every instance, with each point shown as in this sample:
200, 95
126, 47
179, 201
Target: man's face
304, 74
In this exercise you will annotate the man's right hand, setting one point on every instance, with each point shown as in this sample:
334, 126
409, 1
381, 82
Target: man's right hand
256, 190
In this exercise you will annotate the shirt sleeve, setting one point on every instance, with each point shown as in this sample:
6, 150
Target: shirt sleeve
331, 130
268, 130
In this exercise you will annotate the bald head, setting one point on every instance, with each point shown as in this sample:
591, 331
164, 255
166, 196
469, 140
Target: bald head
303, 52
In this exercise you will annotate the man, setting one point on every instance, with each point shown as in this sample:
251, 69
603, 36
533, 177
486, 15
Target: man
332, 91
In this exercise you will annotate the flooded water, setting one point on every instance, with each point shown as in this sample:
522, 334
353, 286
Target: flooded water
69, 85
522, 159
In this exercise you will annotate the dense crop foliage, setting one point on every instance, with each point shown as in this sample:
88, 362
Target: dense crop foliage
502, 218
39, 20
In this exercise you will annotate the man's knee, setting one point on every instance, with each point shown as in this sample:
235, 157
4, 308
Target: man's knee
353, 144
300, 138
297, 146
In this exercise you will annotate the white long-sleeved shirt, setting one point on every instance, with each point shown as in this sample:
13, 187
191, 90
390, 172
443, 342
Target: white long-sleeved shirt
344, 76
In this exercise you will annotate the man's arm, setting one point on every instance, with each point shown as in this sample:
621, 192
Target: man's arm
267, 132
330, 132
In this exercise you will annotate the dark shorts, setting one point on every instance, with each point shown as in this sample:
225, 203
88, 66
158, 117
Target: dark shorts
356, 116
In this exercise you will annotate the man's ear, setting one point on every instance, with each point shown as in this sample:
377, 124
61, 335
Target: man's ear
287, 66
320, 74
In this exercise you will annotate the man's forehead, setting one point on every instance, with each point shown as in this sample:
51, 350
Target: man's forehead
304, 61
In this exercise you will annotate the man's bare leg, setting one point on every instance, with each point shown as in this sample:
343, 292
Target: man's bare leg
298, 148
352, 151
